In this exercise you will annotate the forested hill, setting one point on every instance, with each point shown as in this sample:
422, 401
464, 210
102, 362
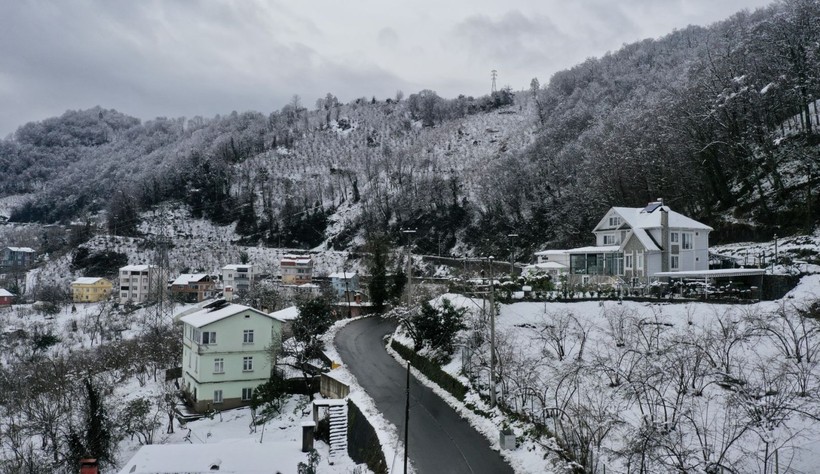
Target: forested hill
721, 122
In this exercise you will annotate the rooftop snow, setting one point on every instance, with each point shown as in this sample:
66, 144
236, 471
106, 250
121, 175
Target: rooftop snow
86, 280
288, 314
186, 278
637, 219
21, 249
207, 316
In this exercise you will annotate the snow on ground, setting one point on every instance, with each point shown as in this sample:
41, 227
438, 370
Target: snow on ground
528, 457
229, 437
756, 380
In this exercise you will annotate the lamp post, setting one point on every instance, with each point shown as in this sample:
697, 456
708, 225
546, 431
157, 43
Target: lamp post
492, 334
512, 253
775, 253
347, 292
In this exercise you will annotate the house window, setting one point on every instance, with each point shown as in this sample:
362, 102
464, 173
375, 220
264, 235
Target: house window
673, 237
246, 394
219, 365
209, 337
247, 336
675, 262
686, 241
614, 221
640, 261
217, 396
247, 364
628, 262
609, 239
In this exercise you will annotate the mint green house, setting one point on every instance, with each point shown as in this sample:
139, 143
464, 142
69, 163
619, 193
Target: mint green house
226, 354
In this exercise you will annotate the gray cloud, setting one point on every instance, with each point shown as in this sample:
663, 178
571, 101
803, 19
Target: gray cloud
388, 38
203, 57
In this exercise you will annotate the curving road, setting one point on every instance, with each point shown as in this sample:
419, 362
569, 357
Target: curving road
440, 440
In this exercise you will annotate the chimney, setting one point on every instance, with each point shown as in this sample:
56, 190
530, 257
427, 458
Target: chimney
664, 237
227, 293
89, 466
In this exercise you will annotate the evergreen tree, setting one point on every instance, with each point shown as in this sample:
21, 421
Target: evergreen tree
94, 438
377, 286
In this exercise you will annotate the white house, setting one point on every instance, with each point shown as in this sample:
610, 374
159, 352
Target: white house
226, 353
239, 277
137, 282
633, 245
636, 243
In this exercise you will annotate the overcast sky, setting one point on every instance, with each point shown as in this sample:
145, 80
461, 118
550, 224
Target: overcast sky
207, 57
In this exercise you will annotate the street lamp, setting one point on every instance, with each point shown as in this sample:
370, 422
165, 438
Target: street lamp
512, 253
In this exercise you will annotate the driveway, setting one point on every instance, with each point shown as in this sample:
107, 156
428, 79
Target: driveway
440, 440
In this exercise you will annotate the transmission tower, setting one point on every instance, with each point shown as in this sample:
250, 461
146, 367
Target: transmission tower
163, 309
494, 74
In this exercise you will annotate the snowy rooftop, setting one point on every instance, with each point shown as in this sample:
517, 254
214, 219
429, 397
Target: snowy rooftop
643, 236
546, 266
135, 268
342, 275
207, 316
288, 314
595, 249
86, 280
5, 292
21, 249
237, 267
637, 218
186, 278
551, 252
723, 272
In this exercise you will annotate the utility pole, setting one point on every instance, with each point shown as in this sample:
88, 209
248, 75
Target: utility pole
409, 267
406, 415
492, 334
512, 253
494, 74
347, 291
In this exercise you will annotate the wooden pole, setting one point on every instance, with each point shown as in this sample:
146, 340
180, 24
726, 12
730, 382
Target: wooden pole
406, 415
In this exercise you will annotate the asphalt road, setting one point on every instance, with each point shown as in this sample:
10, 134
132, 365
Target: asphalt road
440, 440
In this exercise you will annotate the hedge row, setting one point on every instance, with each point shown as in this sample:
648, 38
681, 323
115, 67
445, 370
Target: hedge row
431, 370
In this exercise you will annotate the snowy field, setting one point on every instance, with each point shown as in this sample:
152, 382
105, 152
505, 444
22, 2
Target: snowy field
663, 387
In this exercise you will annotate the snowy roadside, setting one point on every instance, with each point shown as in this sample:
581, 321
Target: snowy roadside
528, 457
387, 433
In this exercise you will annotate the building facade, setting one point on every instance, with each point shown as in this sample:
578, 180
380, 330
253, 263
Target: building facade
90, 290
344, 282
239, 277
137, 282
226, 354
632, 245
296, 269
193, 287
16, 258
6, 297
